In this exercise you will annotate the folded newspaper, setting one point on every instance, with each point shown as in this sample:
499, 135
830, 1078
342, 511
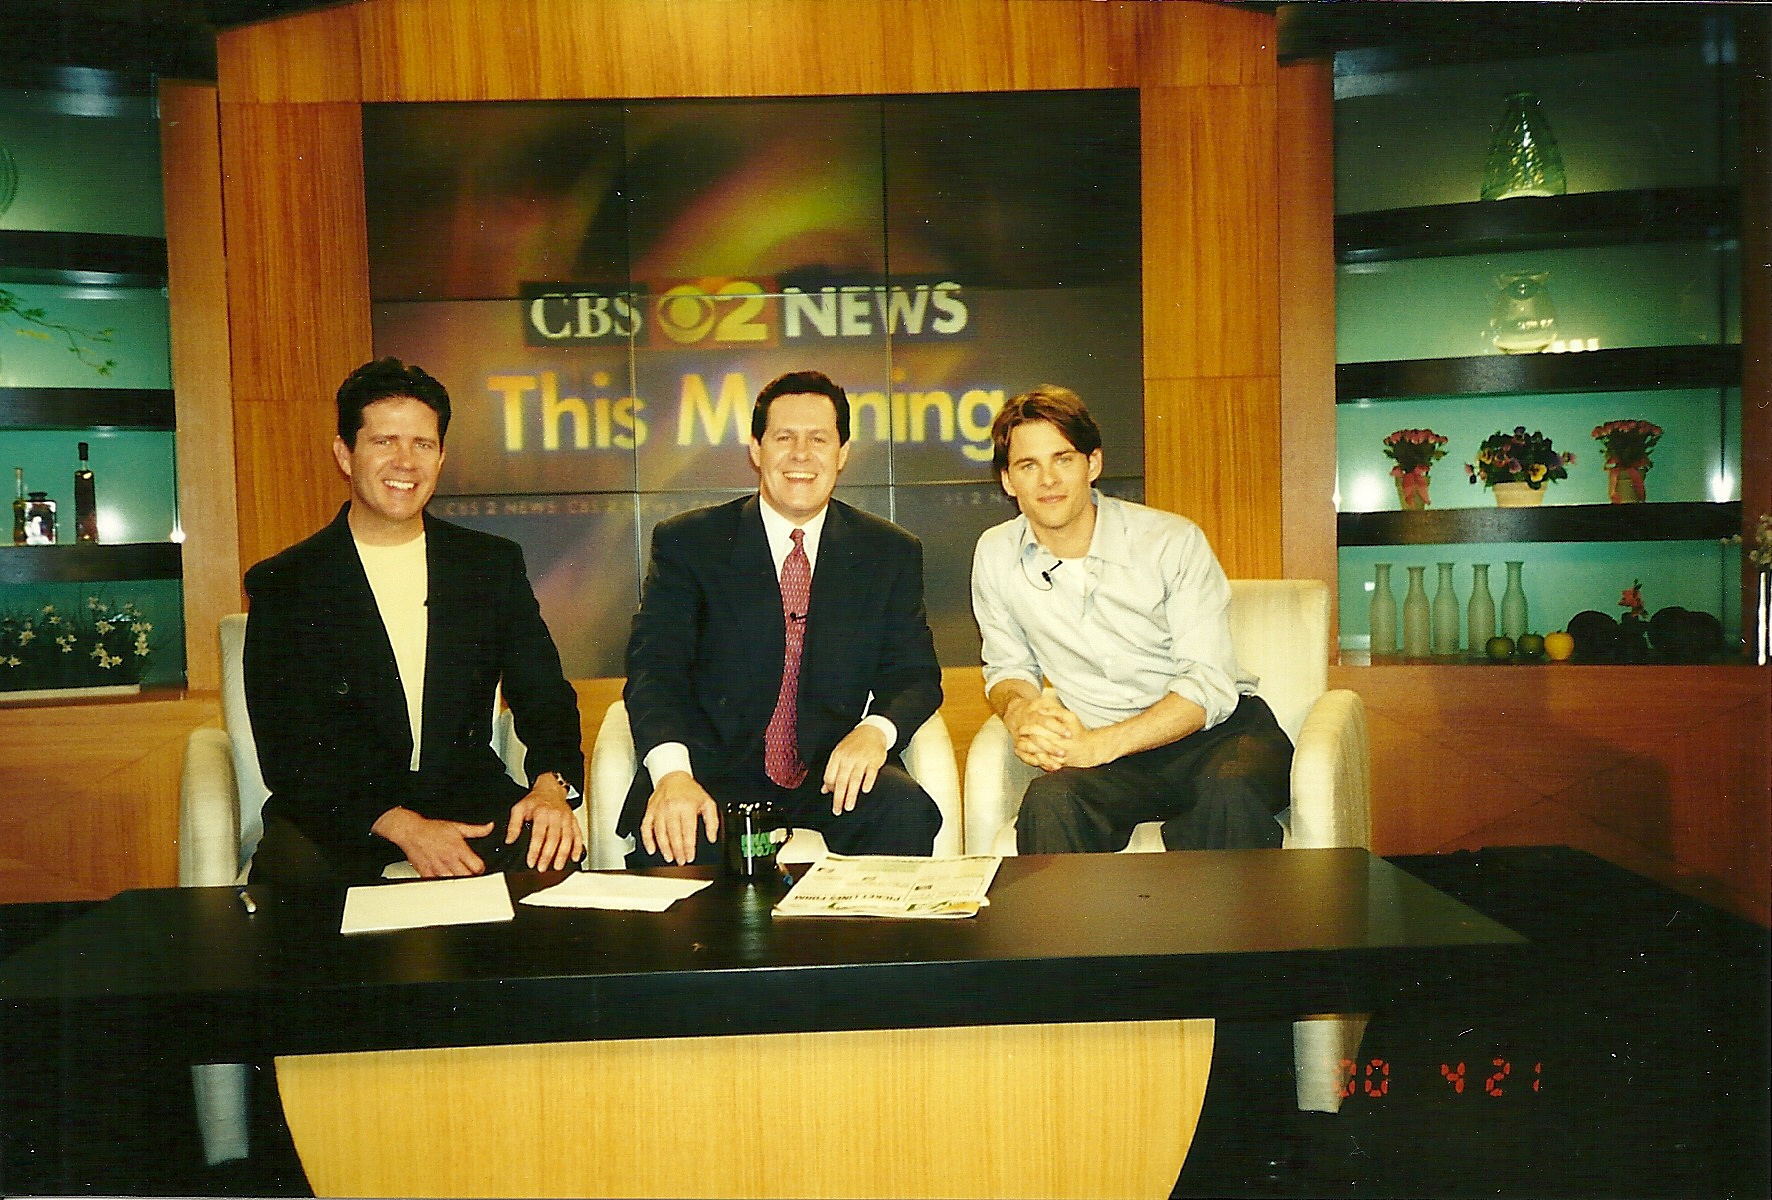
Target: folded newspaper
882, 886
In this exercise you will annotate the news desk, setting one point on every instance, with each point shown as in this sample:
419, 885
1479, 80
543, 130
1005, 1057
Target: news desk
1056, 1044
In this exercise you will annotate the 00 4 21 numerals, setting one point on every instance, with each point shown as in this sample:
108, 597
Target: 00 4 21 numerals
1499, 1079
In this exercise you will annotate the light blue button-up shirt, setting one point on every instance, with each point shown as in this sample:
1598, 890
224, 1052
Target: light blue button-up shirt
1141, 615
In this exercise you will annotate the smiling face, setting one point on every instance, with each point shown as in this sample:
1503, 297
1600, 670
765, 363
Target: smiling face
799, 456
1049, 479
393, 469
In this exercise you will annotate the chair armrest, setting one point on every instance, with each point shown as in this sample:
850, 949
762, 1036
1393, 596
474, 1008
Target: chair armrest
508, 746
1332, 775
208, 812
930, 760
612, 772
995, 781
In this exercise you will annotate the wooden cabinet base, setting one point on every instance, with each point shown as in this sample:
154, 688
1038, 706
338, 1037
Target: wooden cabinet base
1028, 1110
1662, 770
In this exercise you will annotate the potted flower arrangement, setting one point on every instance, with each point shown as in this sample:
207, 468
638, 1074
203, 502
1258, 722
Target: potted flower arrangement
45, 653
1627, 445
1517, 466
1414, 451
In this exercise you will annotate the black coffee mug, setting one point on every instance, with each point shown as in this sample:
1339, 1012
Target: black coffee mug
753, 836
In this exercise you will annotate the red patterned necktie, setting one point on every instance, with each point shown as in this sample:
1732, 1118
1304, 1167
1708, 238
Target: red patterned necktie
781, 749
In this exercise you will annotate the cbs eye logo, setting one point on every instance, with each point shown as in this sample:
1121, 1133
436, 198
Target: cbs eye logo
732, 312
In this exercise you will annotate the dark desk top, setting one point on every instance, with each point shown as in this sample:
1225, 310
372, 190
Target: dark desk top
1065, 937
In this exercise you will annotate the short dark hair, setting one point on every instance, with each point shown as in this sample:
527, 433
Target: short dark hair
385, 379
1058, 406
801, 383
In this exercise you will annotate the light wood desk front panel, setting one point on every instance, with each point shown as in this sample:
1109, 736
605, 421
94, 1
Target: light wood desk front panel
1025, 1110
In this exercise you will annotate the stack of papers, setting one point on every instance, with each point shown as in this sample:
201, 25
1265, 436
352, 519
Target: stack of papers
473, 900
881, 886
606, 889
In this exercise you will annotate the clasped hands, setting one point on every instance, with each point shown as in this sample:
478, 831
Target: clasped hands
439, 848
679, 803
1048, 735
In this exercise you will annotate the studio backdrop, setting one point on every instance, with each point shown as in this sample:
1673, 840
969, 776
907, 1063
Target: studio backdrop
604, 286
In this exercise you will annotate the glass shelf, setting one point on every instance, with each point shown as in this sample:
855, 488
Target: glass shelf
82, 259
86, 408
1641, 368
90, 563
1538, 223
1548, 523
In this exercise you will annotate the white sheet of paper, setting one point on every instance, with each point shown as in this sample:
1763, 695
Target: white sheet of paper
473, 900
609, 889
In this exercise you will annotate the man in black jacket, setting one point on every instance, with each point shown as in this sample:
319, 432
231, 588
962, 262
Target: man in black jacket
374, 650
781, 651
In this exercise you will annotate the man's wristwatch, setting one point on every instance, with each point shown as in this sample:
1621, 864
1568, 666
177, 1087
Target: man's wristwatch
570, 791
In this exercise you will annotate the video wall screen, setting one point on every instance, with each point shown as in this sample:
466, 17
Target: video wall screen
604, 286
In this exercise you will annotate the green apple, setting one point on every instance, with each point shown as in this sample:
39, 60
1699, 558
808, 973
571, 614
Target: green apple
1531, 646
1500, 648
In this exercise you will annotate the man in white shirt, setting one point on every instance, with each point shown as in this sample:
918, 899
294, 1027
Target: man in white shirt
373, 653
1120, 608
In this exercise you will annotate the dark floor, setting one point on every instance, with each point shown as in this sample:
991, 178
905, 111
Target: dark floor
1628, 1058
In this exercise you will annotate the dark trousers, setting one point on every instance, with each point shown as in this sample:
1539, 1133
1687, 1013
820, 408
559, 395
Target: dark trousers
897, 817
1218, 789
288, 858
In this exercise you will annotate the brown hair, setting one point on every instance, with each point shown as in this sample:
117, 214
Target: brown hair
801, 383
386, 379
1059, 406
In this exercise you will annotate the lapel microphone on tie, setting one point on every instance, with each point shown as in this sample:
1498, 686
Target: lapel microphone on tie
1047, 573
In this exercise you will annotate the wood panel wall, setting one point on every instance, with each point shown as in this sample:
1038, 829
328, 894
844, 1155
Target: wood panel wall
196, 270
291, 143
1306, 130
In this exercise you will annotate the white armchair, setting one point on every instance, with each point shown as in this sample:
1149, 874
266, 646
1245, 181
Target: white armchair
1280, 629
221, 795
929, 758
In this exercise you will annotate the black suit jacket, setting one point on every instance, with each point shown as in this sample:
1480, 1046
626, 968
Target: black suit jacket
328, 712
705, 655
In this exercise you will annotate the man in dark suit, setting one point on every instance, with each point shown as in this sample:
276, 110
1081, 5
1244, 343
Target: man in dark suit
781, 652
373, 652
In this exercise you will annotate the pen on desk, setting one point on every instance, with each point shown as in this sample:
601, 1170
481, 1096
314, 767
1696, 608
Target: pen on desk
786, 875
247, 902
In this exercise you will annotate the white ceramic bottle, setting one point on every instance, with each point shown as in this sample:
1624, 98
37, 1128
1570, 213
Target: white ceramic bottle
1446, 616
1383, 620
1480, 618
1417, 621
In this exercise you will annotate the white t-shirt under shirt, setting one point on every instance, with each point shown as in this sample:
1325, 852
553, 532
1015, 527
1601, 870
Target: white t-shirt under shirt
401, 582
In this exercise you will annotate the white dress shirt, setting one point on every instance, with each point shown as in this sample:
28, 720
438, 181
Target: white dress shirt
1141, 615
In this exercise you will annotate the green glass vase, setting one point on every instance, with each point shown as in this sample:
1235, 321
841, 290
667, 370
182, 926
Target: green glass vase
1523, 156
